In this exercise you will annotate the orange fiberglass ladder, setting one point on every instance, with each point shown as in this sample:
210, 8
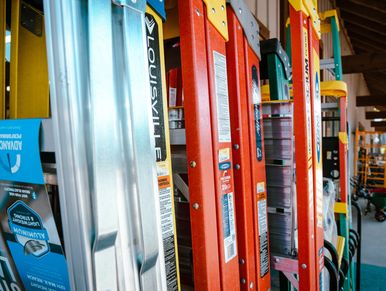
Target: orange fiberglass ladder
203, 35
305, 35
243, 57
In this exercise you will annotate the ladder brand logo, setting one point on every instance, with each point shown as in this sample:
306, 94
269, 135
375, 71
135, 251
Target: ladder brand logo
150, 24
155, 77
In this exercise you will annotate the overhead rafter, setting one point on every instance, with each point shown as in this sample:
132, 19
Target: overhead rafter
379, 40
378, 123
363, 63
362, 11
371, 47
352, 19
366, 30
374, 4
375, 114
373, 100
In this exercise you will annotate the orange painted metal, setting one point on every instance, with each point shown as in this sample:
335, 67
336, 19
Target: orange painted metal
208, 150
303, 149
248, 154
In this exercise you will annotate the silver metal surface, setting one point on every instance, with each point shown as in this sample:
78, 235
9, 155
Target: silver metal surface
180, 184
248, 23
47, 141
100, 100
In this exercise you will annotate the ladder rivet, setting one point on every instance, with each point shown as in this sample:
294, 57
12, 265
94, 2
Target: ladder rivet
213, 10
240, 11
236, 146
222, 7
196, 206
243, 281
251, 285
304, 266
237, 167
198, 12
242, 262
193, 164
223, 23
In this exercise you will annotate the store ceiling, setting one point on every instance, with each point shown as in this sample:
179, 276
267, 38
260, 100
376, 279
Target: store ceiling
365, 22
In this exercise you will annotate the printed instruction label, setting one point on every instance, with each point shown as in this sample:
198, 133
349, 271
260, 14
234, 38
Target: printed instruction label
222, 98
256, 96
158, 101
229, 228
263, 237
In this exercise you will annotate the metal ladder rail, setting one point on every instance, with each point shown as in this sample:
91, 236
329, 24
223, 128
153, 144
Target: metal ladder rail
104, 150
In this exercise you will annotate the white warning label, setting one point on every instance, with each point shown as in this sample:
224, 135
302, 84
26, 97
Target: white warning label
229, 228
222, 99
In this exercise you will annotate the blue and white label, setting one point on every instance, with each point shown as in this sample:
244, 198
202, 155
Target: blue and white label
229, 228
29, 237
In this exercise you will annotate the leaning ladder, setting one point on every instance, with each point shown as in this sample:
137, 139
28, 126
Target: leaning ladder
105, 146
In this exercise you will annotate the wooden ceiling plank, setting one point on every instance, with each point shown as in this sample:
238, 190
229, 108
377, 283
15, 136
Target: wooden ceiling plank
353, 19
361, 11
372, 4
378, 123
363, 63
375, 114
372, 100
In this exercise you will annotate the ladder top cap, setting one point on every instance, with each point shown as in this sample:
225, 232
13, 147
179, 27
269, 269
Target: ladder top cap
333, 88
329, 14
309, 8
217, 15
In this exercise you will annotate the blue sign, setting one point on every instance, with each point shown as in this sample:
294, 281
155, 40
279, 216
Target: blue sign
159, 7
35, 255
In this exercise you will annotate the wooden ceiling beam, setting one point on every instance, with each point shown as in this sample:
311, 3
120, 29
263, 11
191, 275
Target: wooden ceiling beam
378, 123
373, 31
372, 100
372, 4
363, 63
375, 114
376, 85
362, 34
352, 19
361, 11
366, 45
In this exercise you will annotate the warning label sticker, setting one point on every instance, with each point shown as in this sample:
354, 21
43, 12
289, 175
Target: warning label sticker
256, 96
224, 155
263, 236
229, 228
222, 99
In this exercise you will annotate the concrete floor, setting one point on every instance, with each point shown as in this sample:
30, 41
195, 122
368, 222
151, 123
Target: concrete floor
373, 238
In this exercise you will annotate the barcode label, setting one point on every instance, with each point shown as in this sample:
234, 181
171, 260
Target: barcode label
229, 229
222, 99
263, 237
